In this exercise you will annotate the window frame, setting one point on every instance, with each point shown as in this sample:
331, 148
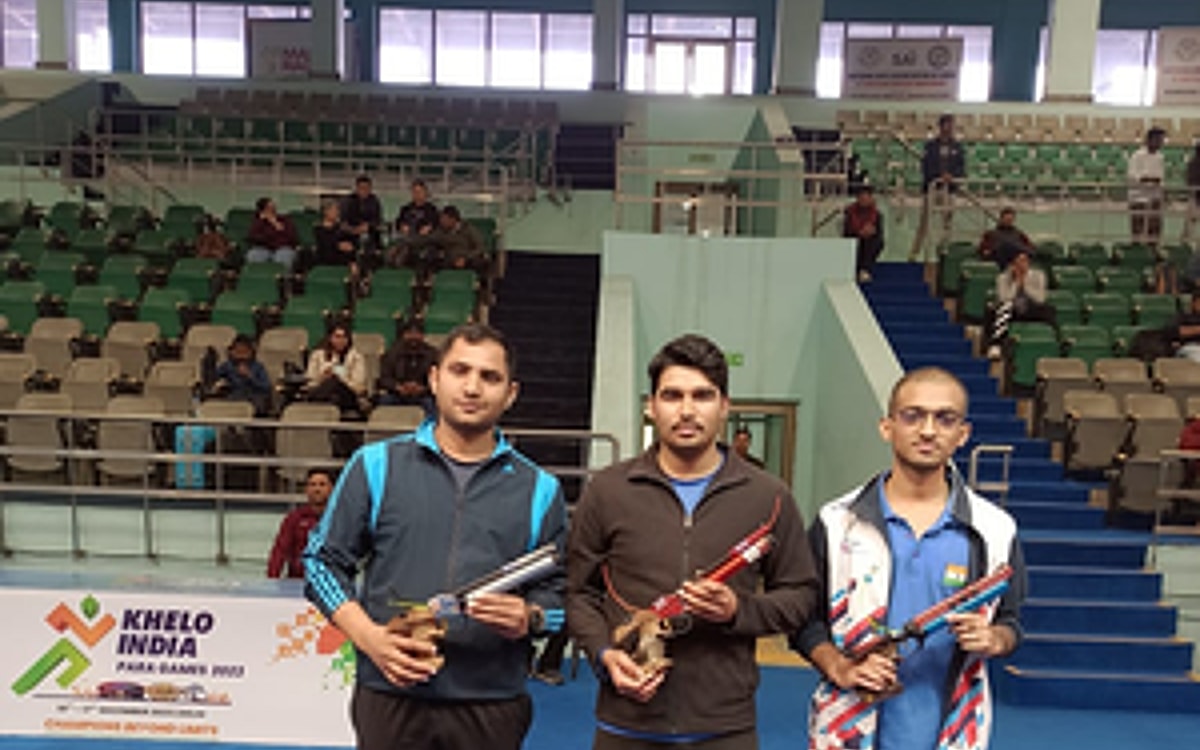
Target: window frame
743, 29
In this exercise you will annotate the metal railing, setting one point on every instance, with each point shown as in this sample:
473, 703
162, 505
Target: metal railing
1168, 492
79, 464
1000, 487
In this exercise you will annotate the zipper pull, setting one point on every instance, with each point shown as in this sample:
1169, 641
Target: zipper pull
687, 521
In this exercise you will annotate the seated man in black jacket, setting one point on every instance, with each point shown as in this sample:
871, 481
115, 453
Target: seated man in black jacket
404, 371
459, 243
362, 214
414, 228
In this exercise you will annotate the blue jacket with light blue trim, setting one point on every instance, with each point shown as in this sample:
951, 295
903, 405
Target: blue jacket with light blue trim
397, 511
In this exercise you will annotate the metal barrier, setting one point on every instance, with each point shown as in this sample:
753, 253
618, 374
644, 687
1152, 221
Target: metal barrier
1002, 486
78, 464
1165, 494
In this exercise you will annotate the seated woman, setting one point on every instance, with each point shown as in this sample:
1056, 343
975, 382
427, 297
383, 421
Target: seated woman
272, 237
337, 372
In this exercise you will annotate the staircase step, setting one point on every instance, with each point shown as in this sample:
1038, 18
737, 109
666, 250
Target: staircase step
998, 429
943, 330
1082, 551
1072, 616
911, 344
1025, 447
980, 385
895, 271
1170, 656
1099, 690
1056, 516
899, 311
992, 406
1029, 469
1095, 584
1050, 492
962, 365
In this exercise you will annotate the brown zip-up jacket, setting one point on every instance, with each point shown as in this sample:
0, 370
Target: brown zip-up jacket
630, 520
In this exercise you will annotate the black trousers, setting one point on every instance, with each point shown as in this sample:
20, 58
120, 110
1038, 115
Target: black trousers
869, 249
386, 721
747, 740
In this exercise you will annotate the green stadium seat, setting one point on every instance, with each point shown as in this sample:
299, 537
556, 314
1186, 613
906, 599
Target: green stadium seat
1154, 310
1026, 344
311, 314
455, 280
124, 273
1089, 255
94, 245
1077, 279
59, 272
330, 284
448, 310
238, 311
20, 302
1051, 253
978, 281
1132, 255
1179, 256
13, 214
1086, 342
379, 314
184, 215
1105, 310
197, 276
262, 282
165, 306
950, 262
1119, 279
1122, 339
127, 221
158, 246
1066, 306
237, 224
66, 217
91, 304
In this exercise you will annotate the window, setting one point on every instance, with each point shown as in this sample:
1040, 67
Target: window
974, 76
668, 54
220, 40
1124, 69
19, 40
167, 39
206, 39
485, 48
93, 46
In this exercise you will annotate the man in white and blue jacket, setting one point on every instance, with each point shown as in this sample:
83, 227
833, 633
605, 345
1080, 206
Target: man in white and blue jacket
424, 514
889, 550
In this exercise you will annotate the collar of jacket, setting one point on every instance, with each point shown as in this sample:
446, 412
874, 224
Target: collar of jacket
867, 507
645, 468
426, 439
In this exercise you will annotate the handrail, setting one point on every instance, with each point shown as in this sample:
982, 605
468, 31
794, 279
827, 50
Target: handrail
1164, 493
1002, 487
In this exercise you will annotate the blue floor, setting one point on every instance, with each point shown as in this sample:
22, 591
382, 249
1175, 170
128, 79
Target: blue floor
563, 721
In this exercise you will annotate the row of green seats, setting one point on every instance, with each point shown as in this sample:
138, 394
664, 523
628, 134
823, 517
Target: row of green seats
1029, 342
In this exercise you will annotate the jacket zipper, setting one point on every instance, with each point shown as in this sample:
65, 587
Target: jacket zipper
459, 503
684, 576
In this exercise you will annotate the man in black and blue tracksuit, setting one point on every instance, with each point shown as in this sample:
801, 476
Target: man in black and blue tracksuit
425, 514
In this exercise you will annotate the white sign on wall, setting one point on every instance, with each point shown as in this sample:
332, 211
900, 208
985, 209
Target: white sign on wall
107, 664
282, 48
902, 68
1178, 66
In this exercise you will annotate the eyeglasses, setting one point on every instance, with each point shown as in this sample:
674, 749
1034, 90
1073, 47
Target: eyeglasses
915, 416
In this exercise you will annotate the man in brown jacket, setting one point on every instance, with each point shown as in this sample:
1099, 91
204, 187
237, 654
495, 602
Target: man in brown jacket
644, 527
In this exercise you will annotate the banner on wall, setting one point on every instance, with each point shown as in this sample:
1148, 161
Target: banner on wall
1178, 66
106, 664
901, 68
281, 48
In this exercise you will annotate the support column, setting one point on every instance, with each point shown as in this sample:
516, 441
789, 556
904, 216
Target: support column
56, 34
328, 39
123, 33
1071, 55
797, 46
608, 38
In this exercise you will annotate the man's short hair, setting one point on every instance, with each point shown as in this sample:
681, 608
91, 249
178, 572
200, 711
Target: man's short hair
742, 430
1155, 131
419, 183
261, 204
477, 333
361, 179
1008, 210
330, 474
945, 118
696, 352
452, 212
240, 340
926, 375
864, 188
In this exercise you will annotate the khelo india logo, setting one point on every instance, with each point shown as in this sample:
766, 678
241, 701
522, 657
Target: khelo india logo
89, 630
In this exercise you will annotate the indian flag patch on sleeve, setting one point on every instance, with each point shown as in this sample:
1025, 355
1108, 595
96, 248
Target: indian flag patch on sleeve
955, 576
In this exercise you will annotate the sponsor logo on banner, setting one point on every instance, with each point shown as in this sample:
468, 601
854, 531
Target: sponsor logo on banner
1178, 76
902, 68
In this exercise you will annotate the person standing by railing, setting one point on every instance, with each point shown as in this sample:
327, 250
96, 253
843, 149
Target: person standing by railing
292, 538
1145, 173
1193, 199
943, 164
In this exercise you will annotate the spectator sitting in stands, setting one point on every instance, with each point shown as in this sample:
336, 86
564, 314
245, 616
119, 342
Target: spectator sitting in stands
242, 377
460, 244
1020, 295
1186, 332
1145, 176
337, 372
415, 225
335, 245
1004, 242
362, 214
863, 222
272, 237
293, 530
741, 446
404, 371
1193, 202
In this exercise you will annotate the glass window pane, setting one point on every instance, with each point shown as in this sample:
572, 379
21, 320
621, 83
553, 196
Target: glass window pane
460, 52
405, 45
635, 64
868, 31
638, 23
516, 50
93, 47
1150, 87
20, 34
743, 68
975, 76
918, 31
692, 27
670, 67
220, 40
272, 11
747, 28
568, 63
829, 60
167, 38
1119, 74
709, 68
1039, 78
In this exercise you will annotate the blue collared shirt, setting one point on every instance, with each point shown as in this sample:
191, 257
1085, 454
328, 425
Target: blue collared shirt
924, 571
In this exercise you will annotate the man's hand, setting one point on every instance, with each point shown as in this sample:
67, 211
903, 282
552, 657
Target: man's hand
876, 673
504, 613
628, 678
868, 230
710, 600
404, 661
976, 634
